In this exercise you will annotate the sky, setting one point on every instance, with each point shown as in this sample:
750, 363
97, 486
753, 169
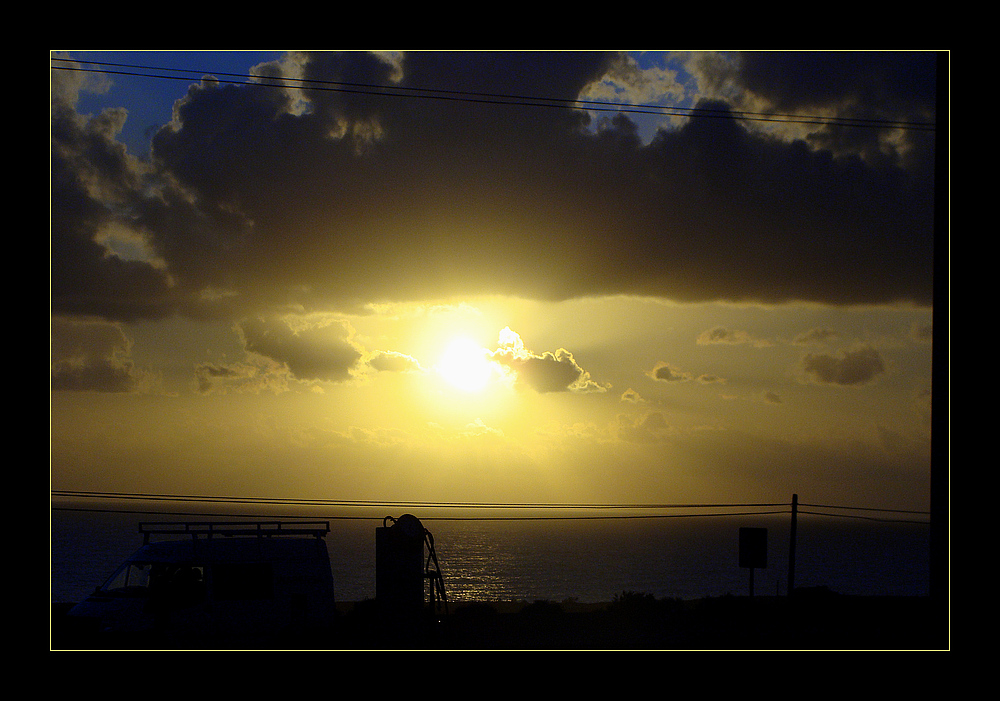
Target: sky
502, 277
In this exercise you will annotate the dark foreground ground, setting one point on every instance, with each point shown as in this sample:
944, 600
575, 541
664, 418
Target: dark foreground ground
815, 621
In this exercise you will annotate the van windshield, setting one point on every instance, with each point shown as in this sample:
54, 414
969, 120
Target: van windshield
131, 578
177, 583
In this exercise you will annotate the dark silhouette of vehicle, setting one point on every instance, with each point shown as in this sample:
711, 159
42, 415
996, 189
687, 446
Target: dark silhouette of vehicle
211, 578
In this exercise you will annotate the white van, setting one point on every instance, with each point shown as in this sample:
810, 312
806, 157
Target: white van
227, 579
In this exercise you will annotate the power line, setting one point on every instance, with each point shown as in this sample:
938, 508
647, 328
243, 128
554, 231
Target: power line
863, 508
468, 505
342, 517
482, 97
866, 518
273, 501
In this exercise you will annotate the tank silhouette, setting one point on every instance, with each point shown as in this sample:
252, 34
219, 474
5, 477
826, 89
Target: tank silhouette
404, 560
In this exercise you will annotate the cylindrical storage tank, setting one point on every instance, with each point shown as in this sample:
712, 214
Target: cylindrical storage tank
399, 566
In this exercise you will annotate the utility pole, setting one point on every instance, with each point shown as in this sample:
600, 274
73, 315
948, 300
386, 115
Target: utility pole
791, 544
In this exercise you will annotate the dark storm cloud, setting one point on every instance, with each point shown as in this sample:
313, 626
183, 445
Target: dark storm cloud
92, 180
252, 201
883, 85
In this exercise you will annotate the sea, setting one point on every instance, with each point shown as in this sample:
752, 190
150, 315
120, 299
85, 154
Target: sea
581, 559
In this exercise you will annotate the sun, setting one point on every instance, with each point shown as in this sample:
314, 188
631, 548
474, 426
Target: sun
464, 364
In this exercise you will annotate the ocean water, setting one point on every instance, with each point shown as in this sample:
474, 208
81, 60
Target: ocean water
586, 560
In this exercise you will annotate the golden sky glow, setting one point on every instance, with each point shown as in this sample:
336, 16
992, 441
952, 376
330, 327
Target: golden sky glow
452, 302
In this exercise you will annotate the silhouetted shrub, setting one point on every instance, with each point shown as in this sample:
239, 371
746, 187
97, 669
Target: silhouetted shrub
476, 611
633, 602
541, 609
821, 591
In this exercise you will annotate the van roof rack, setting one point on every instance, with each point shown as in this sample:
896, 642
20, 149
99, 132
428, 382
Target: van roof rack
259, 529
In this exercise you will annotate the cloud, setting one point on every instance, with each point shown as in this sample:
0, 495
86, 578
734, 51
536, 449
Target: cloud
92, 180
479, 428
329, 199
548, 371
707, 379
314, 350
649, 428
93, 356
625, 81
770, 397
630, 395
730, 337
853, 367
392, 361
819, 335
890, 86
212, 377
792, 80
664, 372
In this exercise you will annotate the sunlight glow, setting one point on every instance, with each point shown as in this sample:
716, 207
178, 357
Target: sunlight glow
465, 365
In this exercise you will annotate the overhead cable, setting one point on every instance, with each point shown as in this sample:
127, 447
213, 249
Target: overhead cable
278, 501
476, 97
707, 509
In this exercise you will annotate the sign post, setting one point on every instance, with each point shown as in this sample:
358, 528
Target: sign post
753, 550
791, 544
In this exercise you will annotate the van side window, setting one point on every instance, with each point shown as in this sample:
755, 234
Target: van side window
176, 586
242, 581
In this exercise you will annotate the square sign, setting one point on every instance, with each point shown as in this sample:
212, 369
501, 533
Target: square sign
753, 547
